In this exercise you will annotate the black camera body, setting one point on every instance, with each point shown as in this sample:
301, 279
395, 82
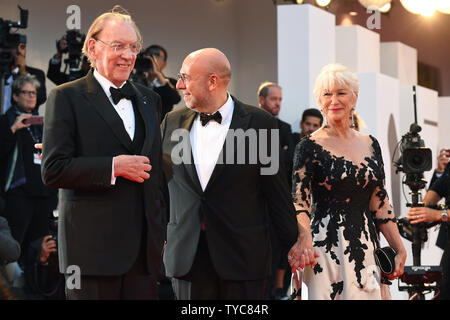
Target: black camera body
141, 65
10, 41
75, 41
415, 157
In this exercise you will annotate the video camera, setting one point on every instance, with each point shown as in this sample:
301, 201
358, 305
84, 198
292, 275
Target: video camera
75, 41
142, 65
10, 41
415, 157
414, 160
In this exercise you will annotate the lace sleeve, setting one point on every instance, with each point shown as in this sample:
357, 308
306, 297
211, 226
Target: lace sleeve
301, 177
380, 207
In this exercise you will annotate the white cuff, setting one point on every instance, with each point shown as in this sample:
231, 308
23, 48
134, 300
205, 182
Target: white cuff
113, 178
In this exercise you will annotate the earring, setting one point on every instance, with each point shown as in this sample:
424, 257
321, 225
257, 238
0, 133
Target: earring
353, 119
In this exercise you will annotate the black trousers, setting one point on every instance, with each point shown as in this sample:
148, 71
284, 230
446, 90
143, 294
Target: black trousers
203, 283
136, 284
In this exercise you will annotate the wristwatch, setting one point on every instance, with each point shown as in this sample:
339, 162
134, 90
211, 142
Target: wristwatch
444, 217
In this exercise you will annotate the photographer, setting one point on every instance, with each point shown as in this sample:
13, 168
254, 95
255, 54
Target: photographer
440, 188
54, 72
44, 281
20, 68
28, 203
162, 85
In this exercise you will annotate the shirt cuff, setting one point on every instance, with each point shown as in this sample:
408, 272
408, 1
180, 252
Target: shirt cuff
113, 177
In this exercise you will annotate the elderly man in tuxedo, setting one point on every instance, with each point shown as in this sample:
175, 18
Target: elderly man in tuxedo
221, 196
102, 148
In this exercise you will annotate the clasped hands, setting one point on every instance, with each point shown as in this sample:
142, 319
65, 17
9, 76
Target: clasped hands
302, 254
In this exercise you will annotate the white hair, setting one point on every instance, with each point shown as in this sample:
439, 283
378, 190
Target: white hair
335, 74
117, 13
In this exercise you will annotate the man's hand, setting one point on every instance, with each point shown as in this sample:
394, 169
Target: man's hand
423, 214
134, 168
156, 70
47, 247
18, 123
443, 159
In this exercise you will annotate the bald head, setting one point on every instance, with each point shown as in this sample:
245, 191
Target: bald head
211, 60
206, 74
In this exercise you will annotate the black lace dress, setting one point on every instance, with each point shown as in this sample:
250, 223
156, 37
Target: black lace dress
349, 201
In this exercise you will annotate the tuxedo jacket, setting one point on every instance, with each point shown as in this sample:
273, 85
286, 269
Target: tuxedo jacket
235, 205
101, 226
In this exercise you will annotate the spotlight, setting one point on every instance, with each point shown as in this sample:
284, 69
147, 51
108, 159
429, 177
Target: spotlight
323, 3
425, 8
443, 6
385, 8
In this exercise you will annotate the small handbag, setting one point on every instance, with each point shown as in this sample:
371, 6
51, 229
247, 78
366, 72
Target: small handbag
385, 259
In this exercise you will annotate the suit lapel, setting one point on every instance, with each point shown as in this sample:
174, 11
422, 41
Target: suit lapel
239, 120
191, 171
97, 97
143, 105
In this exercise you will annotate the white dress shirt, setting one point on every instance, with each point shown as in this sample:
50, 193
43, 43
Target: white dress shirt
124, 109
207, 141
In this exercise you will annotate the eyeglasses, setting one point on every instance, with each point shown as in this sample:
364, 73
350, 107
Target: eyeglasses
29, 93
183, 77
120, 48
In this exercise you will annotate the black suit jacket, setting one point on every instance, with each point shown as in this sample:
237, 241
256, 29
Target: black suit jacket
287, 148
101, 226
235, 205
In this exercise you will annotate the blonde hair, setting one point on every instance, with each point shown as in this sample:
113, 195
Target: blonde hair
335, 74
117, 13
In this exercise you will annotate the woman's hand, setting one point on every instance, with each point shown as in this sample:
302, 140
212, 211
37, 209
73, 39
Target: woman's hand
18, 123
302, 253
423, 214
400, 259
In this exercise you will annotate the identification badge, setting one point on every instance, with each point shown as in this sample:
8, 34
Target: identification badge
37, 158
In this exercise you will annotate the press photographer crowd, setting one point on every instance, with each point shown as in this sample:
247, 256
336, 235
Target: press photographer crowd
93, 182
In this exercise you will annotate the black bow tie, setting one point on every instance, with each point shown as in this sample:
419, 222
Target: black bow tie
126, 92
204, 118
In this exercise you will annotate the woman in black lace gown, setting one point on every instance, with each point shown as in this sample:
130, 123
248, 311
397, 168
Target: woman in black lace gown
339, 171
